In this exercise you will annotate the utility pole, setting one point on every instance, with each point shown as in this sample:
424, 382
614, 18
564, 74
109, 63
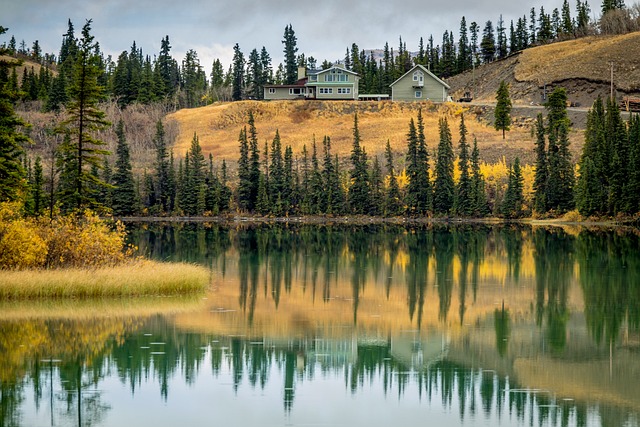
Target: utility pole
611, 81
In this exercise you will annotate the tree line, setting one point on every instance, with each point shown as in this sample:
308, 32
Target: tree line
135, 77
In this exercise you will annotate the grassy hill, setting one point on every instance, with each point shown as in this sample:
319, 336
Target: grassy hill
299, 122
582, 66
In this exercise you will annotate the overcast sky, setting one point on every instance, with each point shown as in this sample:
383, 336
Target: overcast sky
324, 28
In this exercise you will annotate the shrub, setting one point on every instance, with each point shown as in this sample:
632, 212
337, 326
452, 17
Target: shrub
85, 241
20, 244
66, 241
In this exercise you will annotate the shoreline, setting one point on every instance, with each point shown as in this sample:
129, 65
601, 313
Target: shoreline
371, 220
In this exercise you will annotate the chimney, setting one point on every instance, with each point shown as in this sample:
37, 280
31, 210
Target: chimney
302, 72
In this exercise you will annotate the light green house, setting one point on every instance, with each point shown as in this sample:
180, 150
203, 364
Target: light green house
333, 83
419, 84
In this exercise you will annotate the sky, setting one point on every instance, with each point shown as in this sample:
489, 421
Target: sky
324, 28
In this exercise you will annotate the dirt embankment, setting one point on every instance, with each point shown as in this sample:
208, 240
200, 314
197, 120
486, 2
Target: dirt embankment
583, 67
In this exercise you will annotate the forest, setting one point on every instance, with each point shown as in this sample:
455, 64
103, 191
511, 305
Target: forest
271, 179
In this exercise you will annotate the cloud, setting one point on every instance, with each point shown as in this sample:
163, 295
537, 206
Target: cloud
211, 27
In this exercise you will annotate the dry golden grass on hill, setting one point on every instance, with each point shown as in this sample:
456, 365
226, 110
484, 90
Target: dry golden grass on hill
587, 58
219, 125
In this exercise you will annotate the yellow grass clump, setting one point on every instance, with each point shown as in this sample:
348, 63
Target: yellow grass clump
131, 279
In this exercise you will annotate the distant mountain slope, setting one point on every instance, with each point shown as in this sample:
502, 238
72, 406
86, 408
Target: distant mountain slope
582, 66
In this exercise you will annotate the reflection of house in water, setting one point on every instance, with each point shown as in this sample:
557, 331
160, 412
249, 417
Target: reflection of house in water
419, 351
411, 349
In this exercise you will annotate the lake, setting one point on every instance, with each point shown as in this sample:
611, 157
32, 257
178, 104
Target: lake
321, 325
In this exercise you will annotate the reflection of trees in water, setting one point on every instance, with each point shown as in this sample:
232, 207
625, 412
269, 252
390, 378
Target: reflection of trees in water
554, 264
610, 279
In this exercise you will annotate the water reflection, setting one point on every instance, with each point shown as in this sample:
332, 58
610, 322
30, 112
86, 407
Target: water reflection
465, 325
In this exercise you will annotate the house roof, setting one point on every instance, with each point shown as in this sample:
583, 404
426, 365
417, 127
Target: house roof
424, 69
336, 67
299, 83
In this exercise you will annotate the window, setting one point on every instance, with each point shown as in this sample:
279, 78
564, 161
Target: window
272, 90
418, 94
295, 91
313, 78
344, 90
336, 75
326, 90
418, 76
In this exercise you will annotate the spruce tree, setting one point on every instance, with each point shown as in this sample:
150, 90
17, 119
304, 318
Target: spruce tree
512, 203
479, 196
393, 199
444, 187
161, 176
560, 180
541, 169
290, 50
464, 204
244, 176
84, 119
12, 174
488, 43
502, 112
254, 160
359, 200
237, 91
124, 194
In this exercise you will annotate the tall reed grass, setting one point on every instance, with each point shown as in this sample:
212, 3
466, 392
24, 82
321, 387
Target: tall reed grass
137, 278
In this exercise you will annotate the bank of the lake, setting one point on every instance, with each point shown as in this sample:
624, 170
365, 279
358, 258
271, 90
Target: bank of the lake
132, 279
368, 220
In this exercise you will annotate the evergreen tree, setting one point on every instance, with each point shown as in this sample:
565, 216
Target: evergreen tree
464, 203
501, 43
254, 160
12, 174
244, 176
161, 178
124, 194
238, 74
418, 194
513, 201
479, 196
464, 52
377, 195
393, 199
83, 120
488, 43
317, 200
290, 50
334, 194
561, 178
567, 22
541, 171
444, 187
502, 112
359, 200
276, 185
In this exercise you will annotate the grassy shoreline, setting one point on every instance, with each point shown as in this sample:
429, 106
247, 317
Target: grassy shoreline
367, 220
133, 279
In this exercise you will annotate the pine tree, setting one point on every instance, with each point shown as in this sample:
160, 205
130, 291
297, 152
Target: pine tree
501, 43
290, 50
393, 199
161, 179
513, 201
464, 203
541, 171
444, 187
488, 43
359, 201
418, 194
254, 160
377, 195
83, 120
36, 184
502, 112
124, 194
12, 174
244, 176
238, 74
479, 196
561, 177
276, 185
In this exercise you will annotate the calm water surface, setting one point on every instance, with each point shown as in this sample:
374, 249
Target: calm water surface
345, 326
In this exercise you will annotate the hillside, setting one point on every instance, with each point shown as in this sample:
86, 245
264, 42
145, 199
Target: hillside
582, 66
298, 122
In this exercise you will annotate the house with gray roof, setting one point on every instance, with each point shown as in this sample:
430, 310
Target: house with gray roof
419, 84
